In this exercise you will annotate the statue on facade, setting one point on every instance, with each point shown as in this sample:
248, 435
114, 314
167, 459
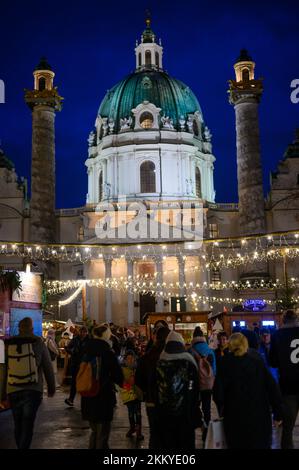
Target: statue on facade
105, 126
190, 124
111, 125
207, 134
182, 122
167, 122
125, 123
91, 138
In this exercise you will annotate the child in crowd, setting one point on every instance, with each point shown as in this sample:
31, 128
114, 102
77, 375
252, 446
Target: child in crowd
131, 395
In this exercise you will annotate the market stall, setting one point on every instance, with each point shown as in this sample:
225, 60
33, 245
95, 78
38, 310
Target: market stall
182, 322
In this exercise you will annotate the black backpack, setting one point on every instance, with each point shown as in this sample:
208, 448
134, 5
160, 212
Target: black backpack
173, 386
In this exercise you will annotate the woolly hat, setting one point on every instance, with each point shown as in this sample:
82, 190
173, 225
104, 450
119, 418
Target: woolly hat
102, 332
174, 343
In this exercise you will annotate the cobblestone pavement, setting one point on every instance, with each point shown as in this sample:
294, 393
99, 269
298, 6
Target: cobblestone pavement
60, 427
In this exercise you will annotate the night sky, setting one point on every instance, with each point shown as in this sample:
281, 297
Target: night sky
90, 46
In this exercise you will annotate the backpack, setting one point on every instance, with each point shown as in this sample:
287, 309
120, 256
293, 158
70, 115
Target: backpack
22, 367
173, 387
205, 371
88, 377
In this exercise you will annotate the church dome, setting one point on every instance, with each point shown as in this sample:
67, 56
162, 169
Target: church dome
175, 99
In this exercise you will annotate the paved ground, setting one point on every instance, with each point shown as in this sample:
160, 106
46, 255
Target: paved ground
60, 427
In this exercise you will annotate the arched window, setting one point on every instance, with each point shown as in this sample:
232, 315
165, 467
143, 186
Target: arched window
148, 58
139, 59
245, 75
146, 120
157, 59
147, 177
198, 182
100, 186
42, 84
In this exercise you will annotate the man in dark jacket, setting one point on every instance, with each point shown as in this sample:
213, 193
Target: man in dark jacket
145, 379
284, 354
98, 410
76, 349
26, 398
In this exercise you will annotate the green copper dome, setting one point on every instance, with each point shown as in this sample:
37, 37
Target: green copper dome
175, 99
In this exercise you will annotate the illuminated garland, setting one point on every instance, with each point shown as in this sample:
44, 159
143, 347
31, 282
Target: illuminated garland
213, 254
151, 284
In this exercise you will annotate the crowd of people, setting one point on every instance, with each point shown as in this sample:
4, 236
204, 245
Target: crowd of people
252, 377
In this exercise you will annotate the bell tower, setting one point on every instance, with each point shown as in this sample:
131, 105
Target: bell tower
244, 94
43, 101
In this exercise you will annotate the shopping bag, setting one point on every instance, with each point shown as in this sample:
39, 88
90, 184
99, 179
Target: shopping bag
215, 436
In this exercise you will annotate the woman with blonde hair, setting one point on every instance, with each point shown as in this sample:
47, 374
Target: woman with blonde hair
245, 392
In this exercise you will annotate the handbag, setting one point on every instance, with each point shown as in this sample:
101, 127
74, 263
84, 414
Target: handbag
215, 436
88, 377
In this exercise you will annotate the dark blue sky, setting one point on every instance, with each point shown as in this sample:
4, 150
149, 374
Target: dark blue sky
90, 45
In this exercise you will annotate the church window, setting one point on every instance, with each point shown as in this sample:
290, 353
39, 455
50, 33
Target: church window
147, 177
213, 231
148, 58
139, 59
157, 59
198, 182
100, 186
146, 120
245, 75
42, 84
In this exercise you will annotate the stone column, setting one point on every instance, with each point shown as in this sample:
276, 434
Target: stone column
159, 268
42, 204
130, 272
245, 97
108, 292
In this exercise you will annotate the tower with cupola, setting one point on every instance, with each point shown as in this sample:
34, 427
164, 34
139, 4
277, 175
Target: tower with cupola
244, 94
43, 101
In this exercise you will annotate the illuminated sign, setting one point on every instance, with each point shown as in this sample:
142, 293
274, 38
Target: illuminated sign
255, 305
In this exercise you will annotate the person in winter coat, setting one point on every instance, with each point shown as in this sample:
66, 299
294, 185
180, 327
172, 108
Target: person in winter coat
284, 354
53, 351
222, 348
98, 410
131, 395
177, 395
26, 398
76, 349
264, 350
200, 346
245, 392
145, 379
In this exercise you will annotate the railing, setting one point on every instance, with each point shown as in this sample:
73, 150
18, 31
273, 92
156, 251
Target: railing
224, 206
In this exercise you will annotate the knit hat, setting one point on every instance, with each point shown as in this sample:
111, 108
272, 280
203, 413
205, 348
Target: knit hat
174, 343
102, 332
